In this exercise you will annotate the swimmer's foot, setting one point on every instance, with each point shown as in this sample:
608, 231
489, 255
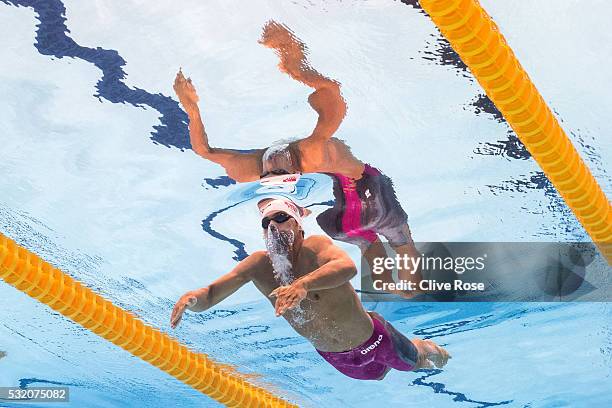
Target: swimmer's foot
430, 354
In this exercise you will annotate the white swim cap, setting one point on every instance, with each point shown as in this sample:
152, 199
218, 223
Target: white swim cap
283, 204
280, 180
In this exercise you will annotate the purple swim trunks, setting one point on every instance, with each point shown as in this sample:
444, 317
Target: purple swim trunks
385, 349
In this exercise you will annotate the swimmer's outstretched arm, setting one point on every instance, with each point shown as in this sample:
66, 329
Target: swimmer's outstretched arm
240, 166
202, 299
336, 268
326, 100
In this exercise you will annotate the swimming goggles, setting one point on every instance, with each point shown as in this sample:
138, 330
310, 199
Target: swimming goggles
274, 172
279, 218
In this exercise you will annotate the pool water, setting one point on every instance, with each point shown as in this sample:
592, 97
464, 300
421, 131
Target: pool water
99, 179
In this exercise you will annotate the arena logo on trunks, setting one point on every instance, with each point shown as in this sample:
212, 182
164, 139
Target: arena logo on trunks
373, 345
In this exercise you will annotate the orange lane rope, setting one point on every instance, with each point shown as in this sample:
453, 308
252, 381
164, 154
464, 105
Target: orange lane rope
30, 274
481, 46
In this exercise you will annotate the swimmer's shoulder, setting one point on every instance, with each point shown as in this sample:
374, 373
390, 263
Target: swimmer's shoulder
325, 249
256, 263
318, 242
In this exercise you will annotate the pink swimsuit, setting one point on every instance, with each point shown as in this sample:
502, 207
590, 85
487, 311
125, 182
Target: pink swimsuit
385, 349
365, 209
351, 218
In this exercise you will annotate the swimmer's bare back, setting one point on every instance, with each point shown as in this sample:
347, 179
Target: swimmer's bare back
318, 153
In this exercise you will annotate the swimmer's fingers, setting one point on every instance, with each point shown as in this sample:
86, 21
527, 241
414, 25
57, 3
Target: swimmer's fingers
444, 356
177, 314
289, 301
423, 361
176, 321
190, 85
185, 90
277, 308
279, 305
276, 292
287, 297
178, 80
178, 84
276, 35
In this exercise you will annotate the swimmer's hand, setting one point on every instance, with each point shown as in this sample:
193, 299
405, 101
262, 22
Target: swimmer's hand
186, 301
290, 48
277, 35
288, 297
185, 90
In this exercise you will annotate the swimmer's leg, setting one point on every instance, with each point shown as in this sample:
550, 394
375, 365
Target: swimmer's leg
403, 245
376, 249
416, 352
382, 377
370, 252
404, 348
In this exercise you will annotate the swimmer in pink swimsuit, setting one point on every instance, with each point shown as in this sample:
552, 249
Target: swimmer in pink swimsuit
307, 281
366, 207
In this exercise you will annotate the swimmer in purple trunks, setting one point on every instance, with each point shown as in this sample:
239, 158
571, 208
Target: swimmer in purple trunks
366, 206
307, 280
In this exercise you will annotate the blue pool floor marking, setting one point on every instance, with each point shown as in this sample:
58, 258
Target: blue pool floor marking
24, 382
440, 388
239, 251
220, 181
52, 39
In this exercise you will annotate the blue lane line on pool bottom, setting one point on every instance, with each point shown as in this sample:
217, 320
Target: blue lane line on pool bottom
52, 39
239, 253
440, 388
24, 382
